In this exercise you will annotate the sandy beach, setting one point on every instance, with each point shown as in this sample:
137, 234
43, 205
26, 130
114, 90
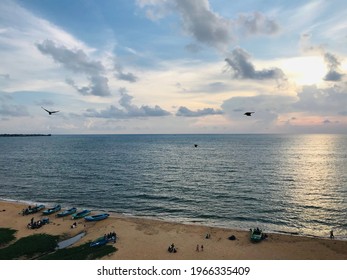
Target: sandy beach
146, 239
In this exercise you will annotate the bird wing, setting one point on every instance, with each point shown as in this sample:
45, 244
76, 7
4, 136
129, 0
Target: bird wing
46, 110
54, 112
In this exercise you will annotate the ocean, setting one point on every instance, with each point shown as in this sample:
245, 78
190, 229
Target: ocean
293, 184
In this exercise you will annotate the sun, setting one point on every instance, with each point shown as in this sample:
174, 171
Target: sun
305, 70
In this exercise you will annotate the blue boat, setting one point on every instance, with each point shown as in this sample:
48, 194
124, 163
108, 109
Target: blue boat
98, 217
99, 242
32, 210
256, 235
81, 214
67, 212
52, 210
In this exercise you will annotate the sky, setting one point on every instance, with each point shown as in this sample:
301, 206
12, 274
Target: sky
172, 67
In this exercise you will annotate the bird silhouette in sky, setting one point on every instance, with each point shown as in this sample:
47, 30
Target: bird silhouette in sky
248, 114
49, 112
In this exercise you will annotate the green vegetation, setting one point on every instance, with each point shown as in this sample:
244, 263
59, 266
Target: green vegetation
6, 235
29, 247
42, 246
82, 252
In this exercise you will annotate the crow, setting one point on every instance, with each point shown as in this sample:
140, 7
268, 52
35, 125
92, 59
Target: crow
49, 112
248, 114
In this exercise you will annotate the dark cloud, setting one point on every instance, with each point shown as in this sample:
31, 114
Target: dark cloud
203, 24
75, 60
79, 62
98, 86
127, 110
333, 65
206, 26
121, 75
185, 112
256, 24
242, 68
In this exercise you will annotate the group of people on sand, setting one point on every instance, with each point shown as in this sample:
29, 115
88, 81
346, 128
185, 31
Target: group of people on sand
111, 236
199, 248
172, 248
38, 224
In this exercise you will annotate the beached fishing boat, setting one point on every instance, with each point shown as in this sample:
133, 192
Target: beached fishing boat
256, 235
32, 210
67, 212
81, 214
52, 210
98, 217
99, 242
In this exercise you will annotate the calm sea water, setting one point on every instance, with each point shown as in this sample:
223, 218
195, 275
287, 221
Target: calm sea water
282, 183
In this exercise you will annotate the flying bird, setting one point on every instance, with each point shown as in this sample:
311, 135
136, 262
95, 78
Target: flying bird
49, 112
248, 114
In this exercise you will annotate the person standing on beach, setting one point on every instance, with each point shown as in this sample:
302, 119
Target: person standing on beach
331, 234
197, 248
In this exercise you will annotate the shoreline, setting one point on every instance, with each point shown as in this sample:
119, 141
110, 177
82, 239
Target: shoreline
148, 239
183, 222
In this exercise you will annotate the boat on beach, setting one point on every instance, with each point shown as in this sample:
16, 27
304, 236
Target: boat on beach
67, 212
99, 242
98, 217
81, 214
52, 210
32, 210
111, 237
256, 235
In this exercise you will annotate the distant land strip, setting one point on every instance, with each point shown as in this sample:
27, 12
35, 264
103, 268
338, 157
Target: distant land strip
23, 135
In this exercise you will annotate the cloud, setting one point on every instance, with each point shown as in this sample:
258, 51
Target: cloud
127, 110
198, 20
257, 24
330, 100
267, 108
203, 24
130, 77
98, 86
5, 76
185, 112
77, 61
242, 68
334, 74
7, 110
333, 66
206, 26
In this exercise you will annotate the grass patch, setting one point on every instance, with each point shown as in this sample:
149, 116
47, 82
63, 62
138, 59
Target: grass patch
29, 247
6, 236
82, 252
42, 246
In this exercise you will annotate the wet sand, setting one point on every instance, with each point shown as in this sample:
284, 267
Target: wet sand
146, 239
